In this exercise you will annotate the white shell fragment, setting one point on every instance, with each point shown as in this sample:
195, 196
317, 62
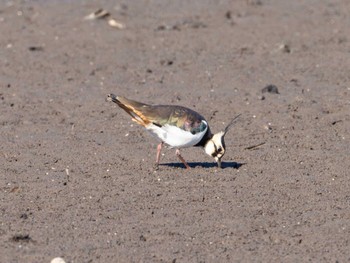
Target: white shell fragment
114, 23
100, 13
104, 14
57, 260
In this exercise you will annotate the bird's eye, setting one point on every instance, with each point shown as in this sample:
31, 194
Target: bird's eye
219, 150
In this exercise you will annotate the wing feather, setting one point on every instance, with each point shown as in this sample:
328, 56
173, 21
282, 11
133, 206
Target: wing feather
160, 115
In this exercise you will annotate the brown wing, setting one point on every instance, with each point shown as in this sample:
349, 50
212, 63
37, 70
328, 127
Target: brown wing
133, 108
160, 115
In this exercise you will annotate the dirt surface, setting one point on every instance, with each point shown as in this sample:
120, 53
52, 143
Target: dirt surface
77, 178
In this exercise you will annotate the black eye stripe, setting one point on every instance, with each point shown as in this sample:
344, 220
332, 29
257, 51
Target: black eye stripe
217, 150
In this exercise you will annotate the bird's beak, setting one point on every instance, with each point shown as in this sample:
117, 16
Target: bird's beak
218, 161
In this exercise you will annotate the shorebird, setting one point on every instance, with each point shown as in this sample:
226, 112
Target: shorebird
177, 126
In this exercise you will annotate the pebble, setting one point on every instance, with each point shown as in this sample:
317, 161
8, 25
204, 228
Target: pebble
270, 89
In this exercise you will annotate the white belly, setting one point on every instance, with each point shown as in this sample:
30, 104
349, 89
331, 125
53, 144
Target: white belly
176, 137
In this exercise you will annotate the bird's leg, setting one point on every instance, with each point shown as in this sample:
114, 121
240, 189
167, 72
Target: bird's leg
182, 159
159, 148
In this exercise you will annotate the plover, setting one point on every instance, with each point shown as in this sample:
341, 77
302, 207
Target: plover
176, 126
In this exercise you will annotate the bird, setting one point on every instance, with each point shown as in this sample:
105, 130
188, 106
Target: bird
176, 126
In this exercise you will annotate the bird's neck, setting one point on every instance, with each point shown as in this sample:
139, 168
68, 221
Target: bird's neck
205, 139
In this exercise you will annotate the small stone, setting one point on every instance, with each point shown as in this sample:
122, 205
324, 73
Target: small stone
270, 89
24, 216
21, 238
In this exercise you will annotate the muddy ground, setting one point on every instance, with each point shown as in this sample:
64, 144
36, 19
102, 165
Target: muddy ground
77, 178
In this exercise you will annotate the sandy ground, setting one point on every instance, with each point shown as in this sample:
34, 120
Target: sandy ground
77, 178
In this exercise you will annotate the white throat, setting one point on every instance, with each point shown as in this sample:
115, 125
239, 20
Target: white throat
215, 144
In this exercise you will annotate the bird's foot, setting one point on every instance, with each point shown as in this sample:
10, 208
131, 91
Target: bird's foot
182, 159
156, 166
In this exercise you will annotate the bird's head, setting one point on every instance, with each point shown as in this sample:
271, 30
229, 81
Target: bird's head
215, 147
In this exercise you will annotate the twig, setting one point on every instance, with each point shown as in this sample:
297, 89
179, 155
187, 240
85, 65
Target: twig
254, 146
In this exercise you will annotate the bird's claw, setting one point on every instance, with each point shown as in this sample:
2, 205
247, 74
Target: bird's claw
156, 166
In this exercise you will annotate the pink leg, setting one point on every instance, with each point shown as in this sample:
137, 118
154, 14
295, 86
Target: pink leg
159, 148
182, 159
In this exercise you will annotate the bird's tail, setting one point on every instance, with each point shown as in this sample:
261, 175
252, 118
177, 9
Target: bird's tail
133, 108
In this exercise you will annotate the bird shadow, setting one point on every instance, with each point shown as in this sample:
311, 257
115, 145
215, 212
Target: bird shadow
224, 165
